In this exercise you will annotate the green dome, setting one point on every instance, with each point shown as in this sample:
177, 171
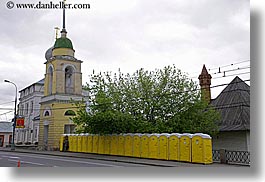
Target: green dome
63, 42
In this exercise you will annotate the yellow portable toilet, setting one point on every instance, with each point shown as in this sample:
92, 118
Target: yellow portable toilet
208, 150
95, 143
79, 142
101, 144
121, 141
107, 140
201, 145
185, 147
128, 144
70, 138
74, 143
90, 143
144, 145
163, 146
153, 146
173, 146
61, 141
114, 144
84, 142
136, 145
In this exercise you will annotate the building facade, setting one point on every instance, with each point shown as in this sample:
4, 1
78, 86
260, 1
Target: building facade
29, 109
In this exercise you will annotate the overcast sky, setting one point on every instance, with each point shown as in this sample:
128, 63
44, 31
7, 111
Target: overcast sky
127, 34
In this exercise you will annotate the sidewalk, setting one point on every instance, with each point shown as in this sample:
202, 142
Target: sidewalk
151, 162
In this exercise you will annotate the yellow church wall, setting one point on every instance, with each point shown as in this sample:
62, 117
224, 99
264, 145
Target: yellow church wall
59, 77
56, 122
63, 51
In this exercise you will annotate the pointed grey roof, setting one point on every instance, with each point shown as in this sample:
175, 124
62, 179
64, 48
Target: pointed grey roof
233, 103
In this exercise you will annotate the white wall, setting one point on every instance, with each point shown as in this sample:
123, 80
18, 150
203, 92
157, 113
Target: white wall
234, 140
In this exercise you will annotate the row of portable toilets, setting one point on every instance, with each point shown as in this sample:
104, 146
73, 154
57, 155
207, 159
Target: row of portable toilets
195, 148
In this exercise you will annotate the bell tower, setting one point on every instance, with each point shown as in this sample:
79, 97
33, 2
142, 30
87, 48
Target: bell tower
63, 84
205, 83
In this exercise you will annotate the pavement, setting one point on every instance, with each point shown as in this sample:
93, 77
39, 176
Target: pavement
135, 160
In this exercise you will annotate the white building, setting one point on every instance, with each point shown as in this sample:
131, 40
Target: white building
29, 108
6, 129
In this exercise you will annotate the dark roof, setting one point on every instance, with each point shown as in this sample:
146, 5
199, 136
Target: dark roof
40, 82
233, 103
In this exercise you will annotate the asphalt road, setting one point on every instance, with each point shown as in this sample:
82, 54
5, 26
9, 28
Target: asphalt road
8, 159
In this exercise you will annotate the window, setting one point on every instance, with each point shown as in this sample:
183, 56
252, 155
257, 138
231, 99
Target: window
21, 109
50, 77
69, 129
69, 80
10, 139
35, 133
46, 113
27, 108
31, 107
69, 113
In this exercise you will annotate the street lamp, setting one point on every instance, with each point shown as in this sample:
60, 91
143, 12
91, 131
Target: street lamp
15, 116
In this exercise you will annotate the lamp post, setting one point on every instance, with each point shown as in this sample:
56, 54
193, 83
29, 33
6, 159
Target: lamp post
15, 116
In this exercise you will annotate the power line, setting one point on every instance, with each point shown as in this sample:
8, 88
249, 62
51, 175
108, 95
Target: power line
229, 65
6, 108
219, 68
7, 102
5, 113
225, 71
231, 75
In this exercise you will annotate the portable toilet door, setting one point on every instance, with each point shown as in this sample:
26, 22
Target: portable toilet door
75, 143
121, 146
197, 148
163, 146
95, 144
173, 147
61, 142
79, 142
144, 146
153, 146
128, 145
89, 143
207, 148
114, 145
185, 147
84, 143
107, 139
70, 138
136, 145
101, 144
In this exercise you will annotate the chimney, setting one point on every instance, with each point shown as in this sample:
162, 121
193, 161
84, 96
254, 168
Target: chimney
205, 83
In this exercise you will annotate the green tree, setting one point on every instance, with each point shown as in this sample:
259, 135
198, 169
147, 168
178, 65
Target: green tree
164, 100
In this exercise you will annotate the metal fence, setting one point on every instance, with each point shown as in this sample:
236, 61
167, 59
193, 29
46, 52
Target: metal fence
216, 156
231, 157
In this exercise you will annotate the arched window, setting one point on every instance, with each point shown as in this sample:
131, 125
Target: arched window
69, 113
46, 113
69, 80
50, 77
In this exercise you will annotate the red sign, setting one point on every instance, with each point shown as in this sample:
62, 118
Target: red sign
20, 123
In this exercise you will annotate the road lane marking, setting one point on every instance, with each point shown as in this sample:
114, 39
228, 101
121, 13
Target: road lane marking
27, 162
5, 156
